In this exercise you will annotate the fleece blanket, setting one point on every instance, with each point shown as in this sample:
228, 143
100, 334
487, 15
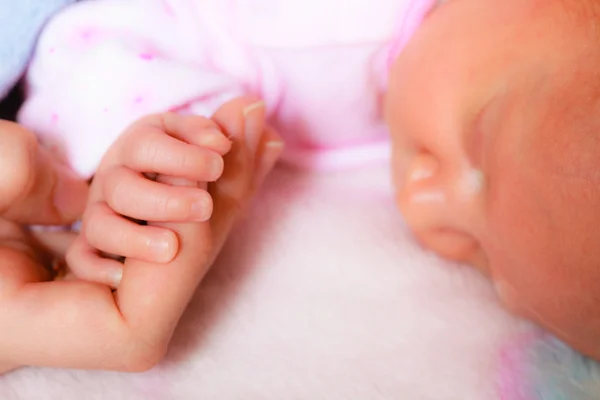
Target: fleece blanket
321, 293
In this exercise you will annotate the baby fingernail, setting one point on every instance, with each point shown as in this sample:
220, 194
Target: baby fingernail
254, 115
254, 106
201, 208
215, 168
115, 276
160, 246
216, 140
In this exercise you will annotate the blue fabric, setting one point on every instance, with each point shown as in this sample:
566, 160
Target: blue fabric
553, 371
20, 24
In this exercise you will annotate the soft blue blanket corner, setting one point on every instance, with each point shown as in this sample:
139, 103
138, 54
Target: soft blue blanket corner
20, 24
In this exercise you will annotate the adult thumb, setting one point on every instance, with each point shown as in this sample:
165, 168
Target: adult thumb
35, 188
254, 151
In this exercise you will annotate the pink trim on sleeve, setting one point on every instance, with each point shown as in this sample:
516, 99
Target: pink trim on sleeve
415, 13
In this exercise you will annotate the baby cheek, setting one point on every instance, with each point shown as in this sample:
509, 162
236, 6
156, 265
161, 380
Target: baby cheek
513, 233
529, 265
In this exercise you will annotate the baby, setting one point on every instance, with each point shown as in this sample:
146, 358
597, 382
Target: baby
505, 174
85, 324
511, 76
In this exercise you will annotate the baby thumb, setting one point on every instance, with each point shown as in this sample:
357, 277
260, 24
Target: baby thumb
270, 150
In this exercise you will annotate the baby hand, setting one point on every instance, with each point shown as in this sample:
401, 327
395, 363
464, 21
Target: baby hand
125, 192
88, 325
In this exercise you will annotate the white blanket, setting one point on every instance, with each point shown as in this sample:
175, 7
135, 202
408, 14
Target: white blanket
321, 293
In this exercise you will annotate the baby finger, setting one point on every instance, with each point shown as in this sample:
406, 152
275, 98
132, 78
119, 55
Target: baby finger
131, 194
111, 233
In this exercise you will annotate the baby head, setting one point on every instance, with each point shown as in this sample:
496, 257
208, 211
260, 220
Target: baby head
494, 110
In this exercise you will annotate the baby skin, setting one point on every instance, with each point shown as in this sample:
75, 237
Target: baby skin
494, 109
185, 176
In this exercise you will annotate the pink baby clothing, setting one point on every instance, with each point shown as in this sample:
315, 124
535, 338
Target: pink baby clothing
320, 65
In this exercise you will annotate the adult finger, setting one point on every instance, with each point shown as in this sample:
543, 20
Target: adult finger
153, 296
34, 187
254, 151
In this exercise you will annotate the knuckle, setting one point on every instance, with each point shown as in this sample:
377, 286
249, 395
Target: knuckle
169, 205
92, 225
91, 217
197, 122
165, 119
137, 145
203, 164
25, 141
74, 253
123, 243
172, 121
192, 160
142, 356
139, 128
13, 281
146, 152
115, 189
